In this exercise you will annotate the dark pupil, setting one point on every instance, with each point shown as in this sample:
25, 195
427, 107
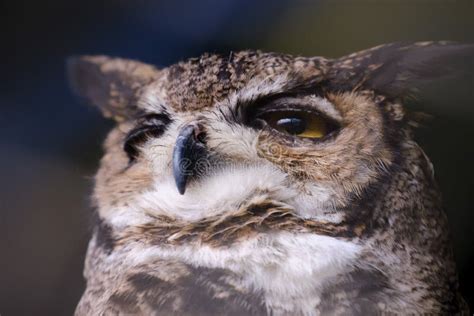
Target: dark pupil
292, 125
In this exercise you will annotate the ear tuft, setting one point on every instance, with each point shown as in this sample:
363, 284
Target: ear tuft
398, 69
112, 84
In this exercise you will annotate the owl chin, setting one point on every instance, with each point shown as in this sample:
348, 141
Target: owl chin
223, 192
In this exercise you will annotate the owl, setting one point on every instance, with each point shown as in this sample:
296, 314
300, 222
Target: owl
257, 183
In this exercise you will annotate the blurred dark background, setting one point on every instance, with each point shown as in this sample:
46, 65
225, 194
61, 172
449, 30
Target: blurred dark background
50, 144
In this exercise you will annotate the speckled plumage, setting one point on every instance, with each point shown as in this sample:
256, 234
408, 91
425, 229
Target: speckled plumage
273, 224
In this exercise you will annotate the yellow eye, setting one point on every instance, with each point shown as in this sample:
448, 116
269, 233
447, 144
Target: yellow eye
298, 123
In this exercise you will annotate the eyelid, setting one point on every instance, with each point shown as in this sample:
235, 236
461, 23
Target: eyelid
154, 118
149, 125
327, 108
307, 103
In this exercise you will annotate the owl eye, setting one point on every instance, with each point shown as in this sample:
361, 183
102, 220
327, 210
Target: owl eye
298, 123
149, 126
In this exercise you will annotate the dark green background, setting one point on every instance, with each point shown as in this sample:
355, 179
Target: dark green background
50, 144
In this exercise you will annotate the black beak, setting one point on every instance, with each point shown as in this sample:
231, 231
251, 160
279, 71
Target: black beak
189, 148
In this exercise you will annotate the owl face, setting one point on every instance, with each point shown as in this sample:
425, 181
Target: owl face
268, 184
209, 136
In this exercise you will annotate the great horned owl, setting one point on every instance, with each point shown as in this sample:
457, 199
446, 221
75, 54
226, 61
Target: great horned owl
261, 183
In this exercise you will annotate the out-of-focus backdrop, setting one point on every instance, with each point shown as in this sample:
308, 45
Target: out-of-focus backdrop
50, 144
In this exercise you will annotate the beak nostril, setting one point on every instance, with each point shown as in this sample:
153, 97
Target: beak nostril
200, 136
198, 133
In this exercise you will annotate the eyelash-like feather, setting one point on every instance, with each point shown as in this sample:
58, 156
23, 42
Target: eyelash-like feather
151, 125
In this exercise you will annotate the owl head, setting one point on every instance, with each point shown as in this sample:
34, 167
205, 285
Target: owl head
293, 141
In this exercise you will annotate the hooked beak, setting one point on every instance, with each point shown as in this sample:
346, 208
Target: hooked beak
189, 148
